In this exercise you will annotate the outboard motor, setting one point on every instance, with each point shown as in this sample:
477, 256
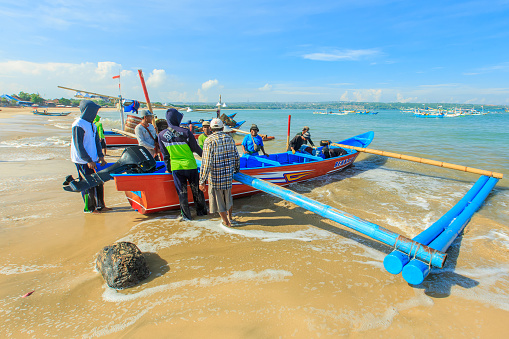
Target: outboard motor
134, 159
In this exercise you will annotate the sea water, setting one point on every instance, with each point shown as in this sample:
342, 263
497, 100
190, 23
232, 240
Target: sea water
283, 271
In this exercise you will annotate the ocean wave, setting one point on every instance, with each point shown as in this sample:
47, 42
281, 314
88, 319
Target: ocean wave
15, 269
62, 126
36, 142
267, 275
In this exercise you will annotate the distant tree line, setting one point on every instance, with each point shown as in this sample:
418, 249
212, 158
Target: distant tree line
35, 98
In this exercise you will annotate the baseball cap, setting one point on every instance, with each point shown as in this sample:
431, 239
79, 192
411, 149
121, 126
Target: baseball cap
146, 113
216, 123
205, 123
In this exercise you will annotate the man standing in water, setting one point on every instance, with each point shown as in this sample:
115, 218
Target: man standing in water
86, 151
177, 145
220, 161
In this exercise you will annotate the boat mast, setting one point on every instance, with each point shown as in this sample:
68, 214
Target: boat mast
120, 108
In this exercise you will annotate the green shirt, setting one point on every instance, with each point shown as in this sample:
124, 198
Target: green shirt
201, 139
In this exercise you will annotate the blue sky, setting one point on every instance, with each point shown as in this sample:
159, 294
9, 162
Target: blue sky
189, 51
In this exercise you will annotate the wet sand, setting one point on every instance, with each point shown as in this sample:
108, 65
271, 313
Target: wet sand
284, 272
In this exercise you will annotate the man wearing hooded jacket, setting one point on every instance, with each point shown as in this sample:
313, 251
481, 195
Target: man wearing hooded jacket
177, 145
86, 151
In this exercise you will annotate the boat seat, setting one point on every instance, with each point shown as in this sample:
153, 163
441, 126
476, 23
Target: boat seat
262, 160
307, 156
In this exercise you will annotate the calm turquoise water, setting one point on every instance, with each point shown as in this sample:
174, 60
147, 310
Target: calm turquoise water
475, 141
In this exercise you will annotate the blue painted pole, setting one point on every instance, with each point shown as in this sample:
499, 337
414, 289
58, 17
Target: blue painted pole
405, 245
395, 261
416, 271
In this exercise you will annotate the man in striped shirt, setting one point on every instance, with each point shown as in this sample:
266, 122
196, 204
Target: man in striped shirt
220, 160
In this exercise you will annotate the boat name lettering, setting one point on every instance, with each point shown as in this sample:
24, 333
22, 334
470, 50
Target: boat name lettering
342, 162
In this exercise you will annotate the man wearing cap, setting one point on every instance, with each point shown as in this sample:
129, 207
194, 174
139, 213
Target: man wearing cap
306, 130
220, 161
253, 143
177, 145
146, 133
298, 141
206, 132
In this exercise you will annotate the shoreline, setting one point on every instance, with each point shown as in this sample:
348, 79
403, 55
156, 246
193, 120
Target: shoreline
283, 272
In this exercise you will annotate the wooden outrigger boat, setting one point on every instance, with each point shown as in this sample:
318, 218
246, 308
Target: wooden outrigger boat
155, 192
52, 114
115, 139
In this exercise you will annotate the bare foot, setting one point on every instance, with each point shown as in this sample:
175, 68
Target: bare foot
96, 212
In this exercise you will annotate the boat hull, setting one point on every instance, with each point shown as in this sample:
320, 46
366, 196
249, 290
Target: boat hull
118, 140
156, 192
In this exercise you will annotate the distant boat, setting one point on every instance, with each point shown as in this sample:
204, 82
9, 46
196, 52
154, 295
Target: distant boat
429, 113
326, 112
53, 114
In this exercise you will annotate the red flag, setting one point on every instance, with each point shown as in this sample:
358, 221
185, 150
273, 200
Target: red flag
116, 77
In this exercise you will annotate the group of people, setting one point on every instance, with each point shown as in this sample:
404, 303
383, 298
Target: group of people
220, 158
220, 161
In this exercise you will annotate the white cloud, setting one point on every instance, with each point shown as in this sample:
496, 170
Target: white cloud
267, 87
107, 68
337, 55
362, 95
201, 96
209, 84
43, 78
400, 98
125, 73
157, 78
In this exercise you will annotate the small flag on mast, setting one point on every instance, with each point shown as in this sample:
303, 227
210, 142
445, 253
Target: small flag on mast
116, 77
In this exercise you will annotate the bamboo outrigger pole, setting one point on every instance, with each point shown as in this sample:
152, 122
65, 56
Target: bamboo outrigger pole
423, 161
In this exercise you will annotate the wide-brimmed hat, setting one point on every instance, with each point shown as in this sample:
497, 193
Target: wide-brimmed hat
216, 124
206, 123
254, 127
146, 113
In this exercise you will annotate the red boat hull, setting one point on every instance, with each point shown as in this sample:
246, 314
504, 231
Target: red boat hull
150, 193
119, 140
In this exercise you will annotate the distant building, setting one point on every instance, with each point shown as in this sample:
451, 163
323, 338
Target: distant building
16, 100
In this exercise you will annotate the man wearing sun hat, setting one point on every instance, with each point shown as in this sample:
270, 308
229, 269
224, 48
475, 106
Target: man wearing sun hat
220, 161
253, 143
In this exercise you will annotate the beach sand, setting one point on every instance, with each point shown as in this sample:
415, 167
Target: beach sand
285, 272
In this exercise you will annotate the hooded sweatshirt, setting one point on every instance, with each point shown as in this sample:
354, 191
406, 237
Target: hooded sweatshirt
85, 144
178, 144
